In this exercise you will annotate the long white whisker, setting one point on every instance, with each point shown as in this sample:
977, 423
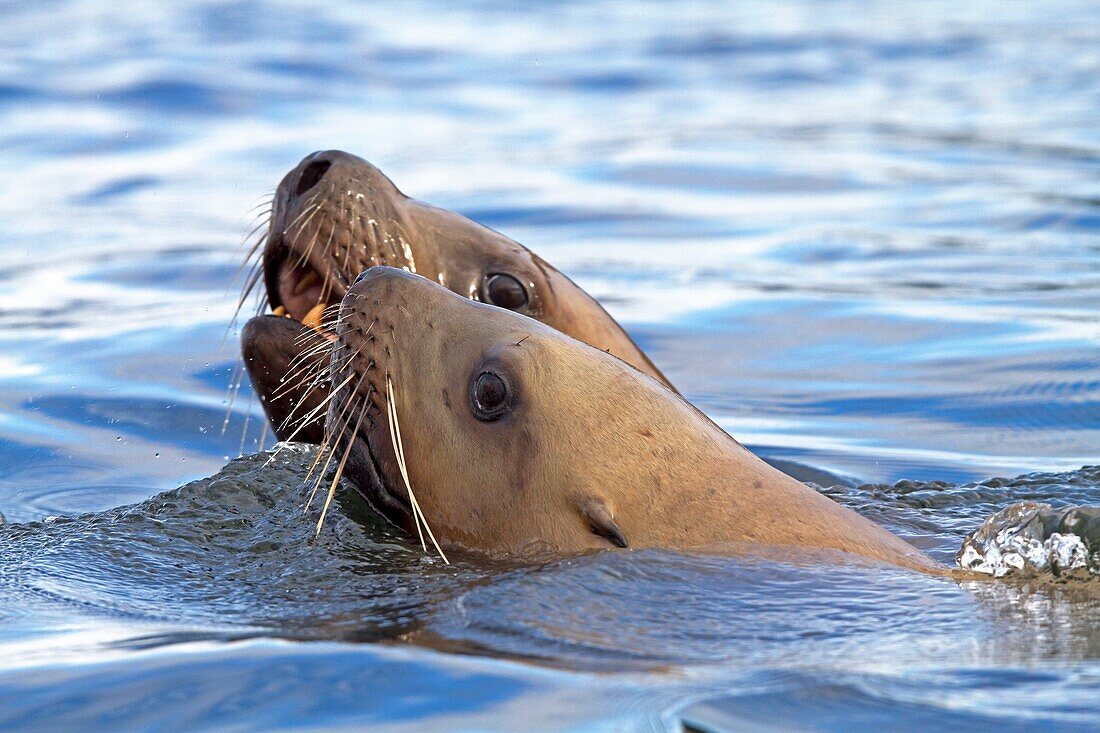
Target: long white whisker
392, 421
396, 430
324, 403
333, 431
340, 468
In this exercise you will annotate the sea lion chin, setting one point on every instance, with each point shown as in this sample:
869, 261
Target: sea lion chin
499, 433
334, 216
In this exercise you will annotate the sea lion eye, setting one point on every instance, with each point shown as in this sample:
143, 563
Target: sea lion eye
490, 396
505, 291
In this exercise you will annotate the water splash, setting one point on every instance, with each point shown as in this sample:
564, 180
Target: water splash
1031, 539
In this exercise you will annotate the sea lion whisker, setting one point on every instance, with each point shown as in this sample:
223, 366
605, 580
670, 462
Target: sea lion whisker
305, 422
246, 261
337, 363
253, 279
331, 234
307, 374
316, 410
391, 420
332, 435
253, 249
314, 206
305, 355
321, 450
340, 469
395, 435
255, 273
324, 448
329, 318
310, 206
306, 335
328, 444
260, 226
305, 252
301, 361
262, 219
309, 382
313, 373
330, 452
266, 200
264, 214
326, 289
313, 349
254, 276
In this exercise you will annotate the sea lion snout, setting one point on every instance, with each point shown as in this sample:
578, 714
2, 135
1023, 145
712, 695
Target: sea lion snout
315, 166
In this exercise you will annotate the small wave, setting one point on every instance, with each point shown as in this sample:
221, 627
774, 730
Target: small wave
1031, 539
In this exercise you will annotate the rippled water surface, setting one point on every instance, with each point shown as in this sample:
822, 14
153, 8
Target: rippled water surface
864, 238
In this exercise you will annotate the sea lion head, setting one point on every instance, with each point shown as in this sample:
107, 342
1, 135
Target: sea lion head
336, 215
497, 432
502, 426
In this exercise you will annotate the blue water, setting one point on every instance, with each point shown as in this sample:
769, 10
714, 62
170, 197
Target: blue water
864, 238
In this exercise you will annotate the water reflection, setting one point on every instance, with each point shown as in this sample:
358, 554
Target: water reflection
863, 239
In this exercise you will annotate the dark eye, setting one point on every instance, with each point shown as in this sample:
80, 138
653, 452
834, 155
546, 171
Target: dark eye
490, 396
505, 291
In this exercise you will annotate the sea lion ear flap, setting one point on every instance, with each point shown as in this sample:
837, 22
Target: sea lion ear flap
598, 516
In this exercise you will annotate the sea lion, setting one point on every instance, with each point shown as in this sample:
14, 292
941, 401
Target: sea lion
334, 216
503, 434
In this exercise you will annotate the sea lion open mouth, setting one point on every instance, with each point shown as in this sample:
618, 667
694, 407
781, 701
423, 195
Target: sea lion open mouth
479, 427
301, 292
334, 216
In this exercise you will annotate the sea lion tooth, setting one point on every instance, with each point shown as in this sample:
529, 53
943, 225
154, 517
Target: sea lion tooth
280, 311
313, 318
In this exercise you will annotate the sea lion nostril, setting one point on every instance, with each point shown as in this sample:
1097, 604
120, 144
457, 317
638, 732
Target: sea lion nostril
313, 173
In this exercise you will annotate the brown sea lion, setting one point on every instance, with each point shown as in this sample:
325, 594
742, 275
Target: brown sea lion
497, 432
334, 216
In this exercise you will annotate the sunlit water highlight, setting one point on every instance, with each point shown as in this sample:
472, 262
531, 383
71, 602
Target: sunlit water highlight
862, 238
